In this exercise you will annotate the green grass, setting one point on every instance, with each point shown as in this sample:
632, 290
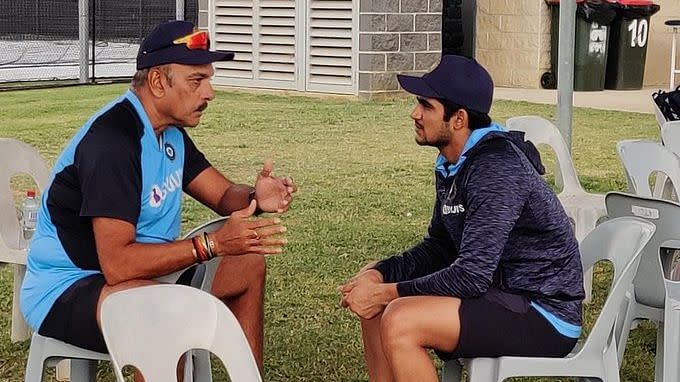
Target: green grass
365, 192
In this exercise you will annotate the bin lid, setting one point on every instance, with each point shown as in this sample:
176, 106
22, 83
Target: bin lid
556, 2
635, 2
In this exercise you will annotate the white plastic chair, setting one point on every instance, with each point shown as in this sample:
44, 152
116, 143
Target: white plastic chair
583, 208
671, 349
618, 240
200, 369
648, 298
16, 157
46, 351
643, 158
670, 136
169, 320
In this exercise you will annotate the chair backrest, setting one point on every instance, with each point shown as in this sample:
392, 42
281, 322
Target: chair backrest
539, 130
665, 215
670, 136
642, 158
620, 241
16, 157
212, 265
169, 320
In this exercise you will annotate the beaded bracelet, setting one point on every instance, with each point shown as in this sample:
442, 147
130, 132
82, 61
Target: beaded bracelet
200, 249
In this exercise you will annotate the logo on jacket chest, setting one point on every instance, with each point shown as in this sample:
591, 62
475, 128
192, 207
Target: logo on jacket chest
455, 209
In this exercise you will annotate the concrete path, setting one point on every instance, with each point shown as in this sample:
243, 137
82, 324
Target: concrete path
625, 100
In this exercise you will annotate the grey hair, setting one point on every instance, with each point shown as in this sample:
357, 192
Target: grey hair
140, 76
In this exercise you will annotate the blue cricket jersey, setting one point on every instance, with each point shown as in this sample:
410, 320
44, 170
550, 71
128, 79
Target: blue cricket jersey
114, 167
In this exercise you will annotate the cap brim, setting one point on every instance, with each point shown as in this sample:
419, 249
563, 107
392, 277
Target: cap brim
182, 55
417, 86
200, 57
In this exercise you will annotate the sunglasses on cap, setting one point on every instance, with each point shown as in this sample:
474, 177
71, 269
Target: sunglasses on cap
196, 41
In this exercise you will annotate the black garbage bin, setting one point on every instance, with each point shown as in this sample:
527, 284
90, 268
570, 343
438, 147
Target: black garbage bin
628, 40
459, 27
593, 18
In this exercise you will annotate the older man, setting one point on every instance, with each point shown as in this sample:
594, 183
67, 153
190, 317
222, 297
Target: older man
110, 216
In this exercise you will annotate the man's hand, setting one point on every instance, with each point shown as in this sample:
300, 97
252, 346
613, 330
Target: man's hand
364, 276
368, 298
365, 294
273, 194
241, 235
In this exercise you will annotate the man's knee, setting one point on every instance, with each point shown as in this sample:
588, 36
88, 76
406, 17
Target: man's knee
254, 269
236, 275
396, 329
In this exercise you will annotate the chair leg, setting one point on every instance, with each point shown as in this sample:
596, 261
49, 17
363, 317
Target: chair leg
452, 371
483, 370
202, 368
20, 330
625, 327
83, 370
611, 364
658, 359
36, 360
671, 367
34, 367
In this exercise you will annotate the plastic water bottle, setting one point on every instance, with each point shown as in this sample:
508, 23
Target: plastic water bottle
29, 213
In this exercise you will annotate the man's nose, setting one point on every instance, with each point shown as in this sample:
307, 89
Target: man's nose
416, 113
210, 93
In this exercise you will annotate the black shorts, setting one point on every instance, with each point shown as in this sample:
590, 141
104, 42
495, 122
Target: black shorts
73, 317
502, 324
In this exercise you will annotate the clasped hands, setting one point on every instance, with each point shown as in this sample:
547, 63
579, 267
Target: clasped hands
365, 294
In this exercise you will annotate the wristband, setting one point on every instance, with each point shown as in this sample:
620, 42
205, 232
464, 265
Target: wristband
211, 245
251, 197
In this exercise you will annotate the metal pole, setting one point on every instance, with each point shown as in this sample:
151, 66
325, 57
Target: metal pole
94, 40
83, 37
179, 9
565, 69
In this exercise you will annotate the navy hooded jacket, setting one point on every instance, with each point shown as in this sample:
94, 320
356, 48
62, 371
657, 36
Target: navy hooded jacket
496, 224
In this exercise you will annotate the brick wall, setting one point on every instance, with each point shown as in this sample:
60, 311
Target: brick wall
513, 41
396, 36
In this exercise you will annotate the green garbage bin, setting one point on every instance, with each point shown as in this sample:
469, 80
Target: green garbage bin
628, 40
590, 52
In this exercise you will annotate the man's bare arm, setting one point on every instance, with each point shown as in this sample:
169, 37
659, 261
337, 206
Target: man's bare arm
122, 258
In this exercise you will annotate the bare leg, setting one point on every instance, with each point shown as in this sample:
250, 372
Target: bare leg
410, 326
240, 282
378, 368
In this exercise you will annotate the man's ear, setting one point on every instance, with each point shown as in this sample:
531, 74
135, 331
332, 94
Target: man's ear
156, 83
459, 119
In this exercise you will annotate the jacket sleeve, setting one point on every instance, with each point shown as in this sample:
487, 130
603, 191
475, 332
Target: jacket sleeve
433, 253
497, 191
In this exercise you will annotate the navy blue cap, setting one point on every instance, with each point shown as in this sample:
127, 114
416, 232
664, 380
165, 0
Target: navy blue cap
457, 79
158, 47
